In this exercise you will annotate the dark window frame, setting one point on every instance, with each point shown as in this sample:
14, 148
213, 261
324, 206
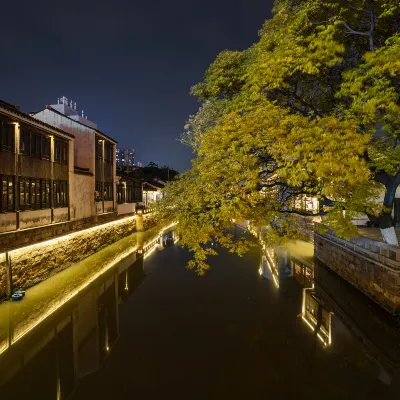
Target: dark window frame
9, 190
25, 194
25, 142
60, 193
7, 136
60, 151
108, 150
99, 149
121, 194
108, 191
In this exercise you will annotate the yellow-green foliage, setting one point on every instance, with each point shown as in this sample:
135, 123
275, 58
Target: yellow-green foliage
308, 109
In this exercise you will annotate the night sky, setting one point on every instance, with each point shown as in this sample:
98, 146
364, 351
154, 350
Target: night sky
128, 64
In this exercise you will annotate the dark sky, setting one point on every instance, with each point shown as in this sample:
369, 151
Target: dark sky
128, 64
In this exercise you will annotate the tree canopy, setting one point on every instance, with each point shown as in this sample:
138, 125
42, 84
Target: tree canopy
311, 109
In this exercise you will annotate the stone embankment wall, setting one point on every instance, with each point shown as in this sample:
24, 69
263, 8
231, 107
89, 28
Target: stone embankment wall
36, 262
372, 267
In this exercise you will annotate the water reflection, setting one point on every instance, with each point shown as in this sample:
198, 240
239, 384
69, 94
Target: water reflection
72, 342
333, 310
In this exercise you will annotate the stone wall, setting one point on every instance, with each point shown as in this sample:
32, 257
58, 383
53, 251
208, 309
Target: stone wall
374, 270
16, 239
3, 276
34, 263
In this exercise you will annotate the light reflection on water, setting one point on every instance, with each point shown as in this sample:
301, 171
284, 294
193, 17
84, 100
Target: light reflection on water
330, 306
77, 337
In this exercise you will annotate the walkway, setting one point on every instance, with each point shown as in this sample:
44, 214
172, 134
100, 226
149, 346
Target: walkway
375, 233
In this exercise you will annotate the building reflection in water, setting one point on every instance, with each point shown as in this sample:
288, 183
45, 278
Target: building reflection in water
334, 311
74, 341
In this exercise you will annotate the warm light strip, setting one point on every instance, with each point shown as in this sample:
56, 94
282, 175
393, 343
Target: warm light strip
272, 273
87, 283
313, 329
149, 252
74, 293
70, 235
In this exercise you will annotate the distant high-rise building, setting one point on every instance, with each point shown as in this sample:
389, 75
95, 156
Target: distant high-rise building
125, 157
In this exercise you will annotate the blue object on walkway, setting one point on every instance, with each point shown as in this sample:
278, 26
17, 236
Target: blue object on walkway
22, 292
16, 297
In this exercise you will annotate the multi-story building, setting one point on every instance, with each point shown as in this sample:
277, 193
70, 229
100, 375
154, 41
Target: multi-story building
36, 171
94, 159
125, 158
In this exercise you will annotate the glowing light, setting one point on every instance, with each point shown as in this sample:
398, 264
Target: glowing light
149, 252
69, 296
74, 293
71, 235
313, 329
273, 271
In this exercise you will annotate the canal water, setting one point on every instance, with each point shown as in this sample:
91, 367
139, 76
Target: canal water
256, 327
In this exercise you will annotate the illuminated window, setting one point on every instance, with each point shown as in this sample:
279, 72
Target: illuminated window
24, 194
7, 193
60, 193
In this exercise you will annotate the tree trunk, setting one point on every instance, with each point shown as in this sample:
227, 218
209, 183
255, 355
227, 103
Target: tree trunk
385, 220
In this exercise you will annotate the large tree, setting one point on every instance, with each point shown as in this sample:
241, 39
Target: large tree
311, 109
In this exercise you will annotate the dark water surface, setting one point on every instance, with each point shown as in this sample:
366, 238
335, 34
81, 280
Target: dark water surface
151, 329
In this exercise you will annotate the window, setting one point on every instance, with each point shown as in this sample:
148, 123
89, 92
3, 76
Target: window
7, 193
25, 141
99, 149
6, 136
46, 148
120, 194
35, 144
36, 195
60, 151
108, 149
45, 193
108, 191
99, 190
130, 194
60, 197
24, 194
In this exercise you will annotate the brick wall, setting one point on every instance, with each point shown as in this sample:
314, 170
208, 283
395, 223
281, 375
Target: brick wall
376, 275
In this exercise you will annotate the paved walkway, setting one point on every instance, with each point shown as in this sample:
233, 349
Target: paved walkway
375, 233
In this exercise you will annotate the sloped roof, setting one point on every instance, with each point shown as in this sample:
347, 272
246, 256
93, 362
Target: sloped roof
17, 113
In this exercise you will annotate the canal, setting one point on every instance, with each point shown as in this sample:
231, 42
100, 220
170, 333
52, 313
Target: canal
148, 328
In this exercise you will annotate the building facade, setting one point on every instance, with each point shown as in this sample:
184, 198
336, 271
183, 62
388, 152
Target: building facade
94, 159
125, 158
36, 171
129, 190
